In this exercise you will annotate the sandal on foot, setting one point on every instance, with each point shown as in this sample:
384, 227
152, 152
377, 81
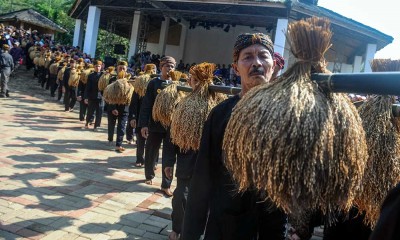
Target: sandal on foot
120, 149
149, 182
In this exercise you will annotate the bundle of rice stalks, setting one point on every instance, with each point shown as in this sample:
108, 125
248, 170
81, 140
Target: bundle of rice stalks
54, 68
42, 61
105, 78
141, 83
118, 92
33, 53
85, 73
60, 73
166, 100
74, 77
36, 60
306, 148
47, 63
382, 172
188, 118
385, 65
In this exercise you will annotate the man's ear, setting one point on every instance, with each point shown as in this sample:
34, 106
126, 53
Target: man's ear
234, 66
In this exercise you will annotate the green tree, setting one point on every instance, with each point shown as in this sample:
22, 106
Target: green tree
57, 11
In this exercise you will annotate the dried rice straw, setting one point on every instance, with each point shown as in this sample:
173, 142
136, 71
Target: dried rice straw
60, 74
382, 130
85, 73
143, 80
120, 91
54, 68
105, 78
166, 101
304, 147
141, 83
192, 111
74, 77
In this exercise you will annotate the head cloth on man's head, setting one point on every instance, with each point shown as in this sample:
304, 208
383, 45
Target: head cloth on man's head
247, 39
167, 59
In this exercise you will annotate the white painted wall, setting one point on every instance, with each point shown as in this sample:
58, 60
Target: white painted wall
214, 45
346, 68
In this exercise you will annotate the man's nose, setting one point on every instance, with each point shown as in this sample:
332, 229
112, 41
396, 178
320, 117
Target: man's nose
256, 62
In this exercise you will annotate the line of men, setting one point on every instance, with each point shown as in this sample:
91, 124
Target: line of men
211, 196
209, 203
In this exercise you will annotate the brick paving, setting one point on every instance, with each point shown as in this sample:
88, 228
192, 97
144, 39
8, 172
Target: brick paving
61, 181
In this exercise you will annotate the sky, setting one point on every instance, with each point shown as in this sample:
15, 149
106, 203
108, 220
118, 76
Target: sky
383, 15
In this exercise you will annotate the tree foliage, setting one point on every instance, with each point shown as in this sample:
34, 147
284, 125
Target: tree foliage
57, 11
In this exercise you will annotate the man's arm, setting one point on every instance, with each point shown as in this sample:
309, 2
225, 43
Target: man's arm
133, 106
87, 88
66, 77
79, 91
147, 105
11, 63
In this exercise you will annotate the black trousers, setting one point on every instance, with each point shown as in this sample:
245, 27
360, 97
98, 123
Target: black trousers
94, 106
42, 76
47, 78
129, 131
60, 93
69, 98
53, 84
140, 144
179, 200
82, 110
121, 126
153, 144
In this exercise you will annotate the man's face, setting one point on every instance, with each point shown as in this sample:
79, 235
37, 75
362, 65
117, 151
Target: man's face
166, 68
122, 68
254, 66
72, 65
97, 68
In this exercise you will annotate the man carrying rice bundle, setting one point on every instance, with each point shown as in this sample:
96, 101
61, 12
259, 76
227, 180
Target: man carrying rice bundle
214, 205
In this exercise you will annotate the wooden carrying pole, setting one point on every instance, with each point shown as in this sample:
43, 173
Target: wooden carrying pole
379, 83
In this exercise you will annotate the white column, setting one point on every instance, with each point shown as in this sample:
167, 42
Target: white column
92, 30
182, 41
357, 64
134, 34
280, 38
369, 56
162, 43
78, 33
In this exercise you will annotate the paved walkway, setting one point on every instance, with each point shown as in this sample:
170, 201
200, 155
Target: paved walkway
60, 181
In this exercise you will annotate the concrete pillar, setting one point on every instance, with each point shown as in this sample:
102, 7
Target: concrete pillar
369, 56
280, 38
162, 43
357, 65
78, 33
92, 30
134, 34
182, 42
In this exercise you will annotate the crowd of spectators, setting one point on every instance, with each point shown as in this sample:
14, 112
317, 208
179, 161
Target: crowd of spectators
223, 73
